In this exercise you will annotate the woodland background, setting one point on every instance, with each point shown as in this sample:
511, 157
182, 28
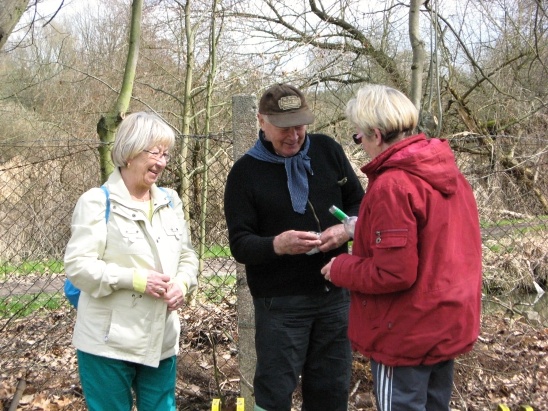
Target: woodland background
477, 70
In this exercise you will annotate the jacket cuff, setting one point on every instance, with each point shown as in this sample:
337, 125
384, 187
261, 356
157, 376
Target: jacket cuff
139, 281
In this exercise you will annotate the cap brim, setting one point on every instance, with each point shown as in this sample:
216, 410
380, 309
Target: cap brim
297, 118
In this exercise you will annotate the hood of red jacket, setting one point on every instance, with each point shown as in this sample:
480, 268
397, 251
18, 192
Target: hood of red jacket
430, 159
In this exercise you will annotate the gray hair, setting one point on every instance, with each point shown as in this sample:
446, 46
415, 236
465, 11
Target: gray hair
383, 108
137, 132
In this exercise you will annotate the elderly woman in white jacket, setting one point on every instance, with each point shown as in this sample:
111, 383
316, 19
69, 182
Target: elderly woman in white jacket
130, 255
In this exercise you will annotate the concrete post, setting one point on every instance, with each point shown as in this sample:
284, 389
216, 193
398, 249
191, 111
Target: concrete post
244, 128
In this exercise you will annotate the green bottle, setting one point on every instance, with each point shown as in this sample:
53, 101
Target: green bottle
348, 221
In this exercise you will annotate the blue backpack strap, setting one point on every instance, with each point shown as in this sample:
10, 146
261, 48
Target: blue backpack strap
107, 195
167, 192
71, 292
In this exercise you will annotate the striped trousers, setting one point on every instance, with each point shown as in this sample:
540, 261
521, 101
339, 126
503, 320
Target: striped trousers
414, 388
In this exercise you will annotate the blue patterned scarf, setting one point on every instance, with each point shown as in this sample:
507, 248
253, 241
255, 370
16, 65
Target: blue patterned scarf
295, 168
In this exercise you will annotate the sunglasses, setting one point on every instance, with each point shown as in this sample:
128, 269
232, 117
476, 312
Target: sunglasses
357, 138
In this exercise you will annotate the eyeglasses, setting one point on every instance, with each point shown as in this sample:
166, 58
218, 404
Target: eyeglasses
157, 155
357, 138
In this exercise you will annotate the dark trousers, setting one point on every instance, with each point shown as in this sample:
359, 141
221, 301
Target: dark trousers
303, 336
416, 388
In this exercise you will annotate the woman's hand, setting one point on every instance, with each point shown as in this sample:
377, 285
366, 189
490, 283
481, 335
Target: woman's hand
157, 284
174, 297
326, 270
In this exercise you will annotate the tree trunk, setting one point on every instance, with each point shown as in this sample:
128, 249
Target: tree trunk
190, 35
213, 41
107, 126
415, 88
244, 126
10, 14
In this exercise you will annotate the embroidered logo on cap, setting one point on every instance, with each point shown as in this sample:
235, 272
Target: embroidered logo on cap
289, 102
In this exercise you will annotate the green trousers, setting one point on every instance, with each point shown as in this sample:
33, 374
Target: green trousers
109, 384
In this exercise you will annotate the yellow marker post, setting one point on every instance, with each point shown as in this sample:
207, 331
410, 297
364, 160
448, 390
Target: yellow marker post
525, 408
216, 404
503, 407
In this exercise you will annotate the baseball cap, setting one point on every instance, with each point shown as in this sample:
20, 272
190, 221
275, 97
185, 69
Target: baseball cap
285, 106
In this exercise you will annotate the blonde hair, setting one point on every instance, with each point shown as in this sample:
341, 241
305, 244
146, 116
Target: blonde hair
137, 132
383, 108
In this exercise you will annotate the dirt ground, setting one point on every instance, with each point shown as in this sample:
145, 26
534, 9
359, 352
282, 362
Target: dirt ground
508, 364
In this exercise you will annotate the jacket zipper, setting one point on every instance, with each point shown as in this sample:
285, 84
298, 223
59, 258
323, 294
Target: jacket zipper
378, 233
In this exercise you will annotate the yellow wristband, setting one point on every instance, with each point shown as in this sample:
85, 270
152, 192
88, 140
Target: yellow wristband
139, 281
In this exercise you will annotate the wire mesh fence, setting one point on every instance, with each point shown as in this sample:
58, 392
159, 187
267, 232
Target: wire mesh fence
40, 182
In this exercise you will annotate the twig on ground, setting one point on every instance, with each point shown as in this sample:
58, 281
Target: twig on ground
21, 385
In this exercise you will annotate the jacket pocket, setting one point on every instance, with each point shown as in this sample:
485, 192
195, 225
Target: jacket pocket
128, 239
128, 331
391, 238
173, 233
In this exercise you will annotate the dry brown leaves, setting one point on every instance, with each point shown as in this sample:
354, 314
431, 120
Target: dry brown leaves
508, 364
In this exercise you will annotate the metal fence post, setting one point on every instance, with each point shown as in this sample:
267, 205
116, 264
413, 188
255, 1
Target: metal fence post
244, 131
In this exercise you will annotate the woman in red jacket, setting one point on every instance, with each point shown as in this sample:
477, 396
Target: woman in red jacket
415, 268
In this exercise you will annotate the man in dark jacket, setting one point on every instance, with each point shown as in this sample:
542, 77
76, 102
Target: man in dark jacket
277, 201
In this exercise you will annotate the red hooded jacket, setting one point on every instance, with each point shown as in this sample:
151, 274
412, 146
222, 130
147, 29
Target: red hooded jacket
415, 268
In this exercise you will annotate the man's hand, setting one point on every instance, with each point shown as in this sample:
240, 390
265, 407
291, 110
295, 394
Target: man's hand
296, 242
333, 237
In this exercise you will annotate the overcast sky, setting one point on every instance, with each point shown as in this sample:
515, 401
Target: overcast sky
48, 7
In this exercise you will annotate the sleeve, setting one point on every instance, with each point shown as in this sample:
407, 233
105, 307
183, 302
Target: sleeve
391, 265
242, 219
352, 189
187, 269
84, 266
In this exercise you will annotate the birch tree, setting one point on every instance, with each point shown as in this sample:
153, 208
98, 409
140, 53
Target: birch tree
106, 128
10, 14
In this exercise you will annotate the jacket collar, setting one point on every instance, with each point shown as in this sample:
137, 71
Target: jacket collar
119, 192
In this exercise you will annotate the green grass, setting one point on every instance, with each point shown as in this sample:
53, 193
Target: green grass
57, 266
495, 248
214, 288
515, 228
499, 223
217, 251
536, 228
32, 267
21, 306
540, 220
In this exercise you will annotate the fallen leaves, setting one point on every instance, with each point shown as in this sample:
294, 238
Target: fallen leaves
508, 364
